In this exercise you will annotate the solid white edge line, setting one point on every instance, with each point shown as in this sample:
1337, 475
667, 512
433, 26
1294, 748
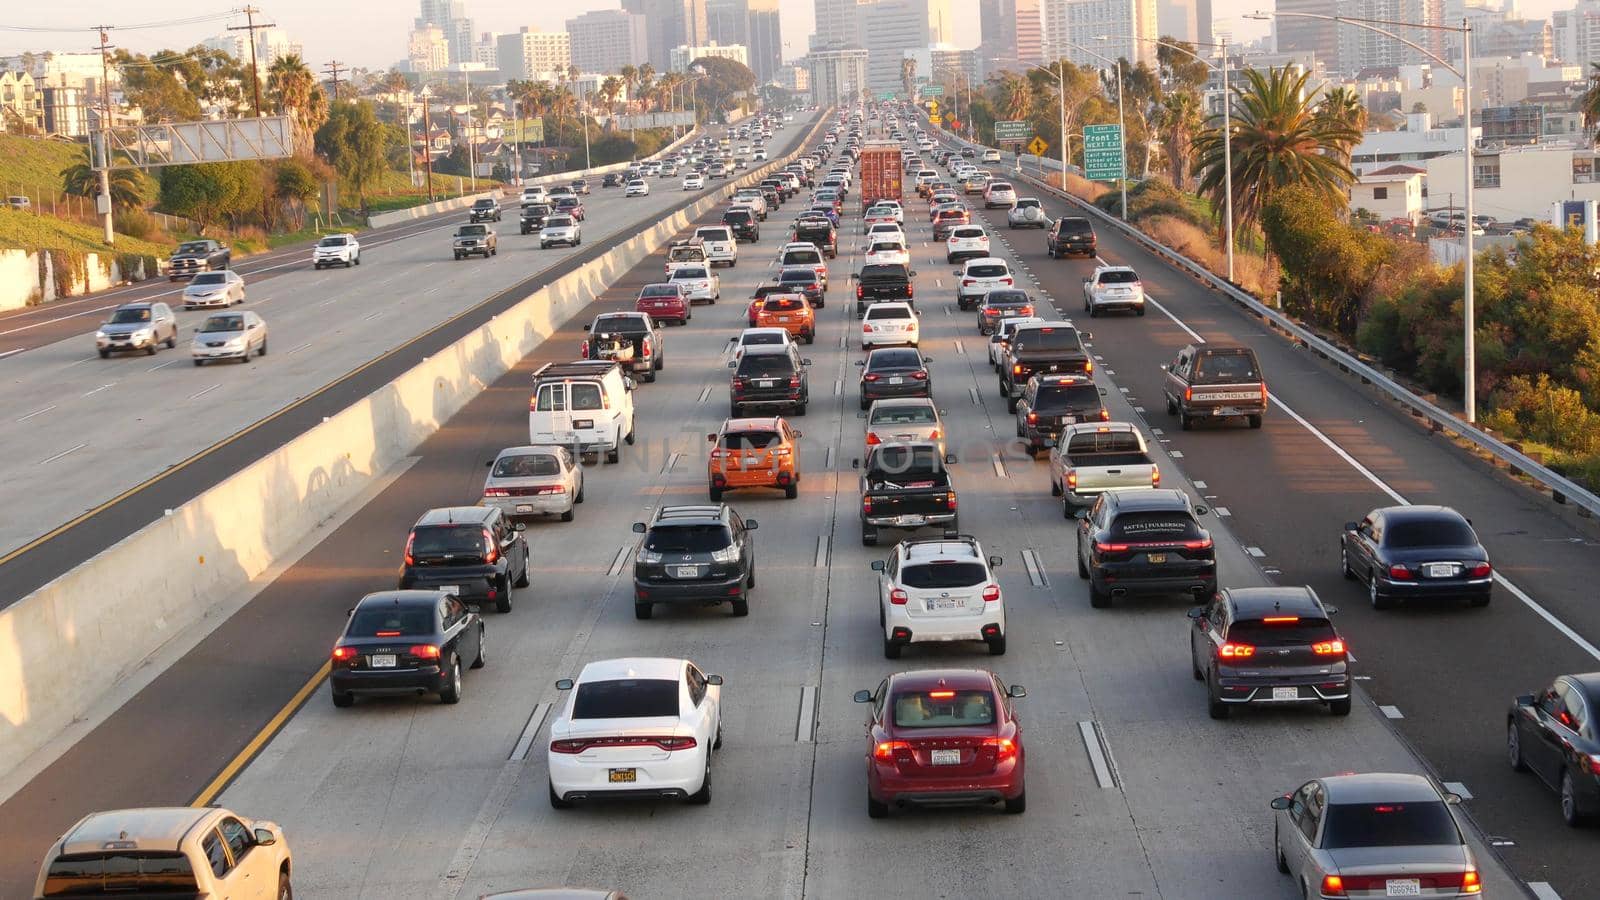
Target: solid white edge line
806, 722
530, 731
1097, 757
1543, 890
999, 467
1391, 712
1456, 787
671, 461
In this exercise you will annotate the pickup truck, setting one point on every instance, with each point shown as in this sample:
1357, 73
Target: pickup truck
882, 283
471, 240
1215, 381
906, 486
649, 349
1093, 458
1054, 348
192, 257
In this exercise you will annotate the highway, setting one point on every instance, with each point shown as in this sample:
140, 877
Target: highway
100, 430
408, 798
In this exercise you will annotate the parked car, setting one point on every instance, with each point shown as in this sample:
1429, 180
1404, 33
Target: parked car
1406, 553
229, 335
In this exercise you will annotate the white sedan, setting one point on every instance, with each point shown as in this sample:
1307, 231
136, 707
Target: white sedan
642, 726
223, 288
694, 181
229, 335
636, 188
890, 325
700, 284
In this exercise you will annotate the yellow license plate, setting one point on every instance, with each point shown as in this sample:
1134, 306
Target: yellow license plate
624, 776
1156, 558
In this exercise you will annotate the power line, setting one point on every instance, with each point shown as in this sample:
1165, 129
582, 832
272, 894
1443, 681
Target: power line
167, 23
255, 71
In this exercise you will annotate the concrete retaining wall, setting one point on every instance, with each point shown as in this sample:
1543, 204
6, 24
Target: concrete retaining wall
24, 283
66, 645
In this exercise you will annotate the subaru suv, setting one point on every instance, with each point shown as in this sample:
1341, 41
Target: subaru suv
471, 552
694, 554
939, 590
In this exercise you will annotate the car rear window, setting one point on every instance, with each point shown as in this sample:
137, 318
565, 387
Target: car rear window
659, 290
606, 324
999, 186
626, 698
380, 620
1047, 339
1006, 299
897, 358
750, 440
713, 234
1103, 442
1154, 525
901, 460
1261, 633
1054, 398
1437, 532
967, 233
690, 272
433, 541
527, 465
1215, 368
579, 395
902, 415
120, 874
1118, 277
802, 276
782, 304
736, 215
988, 271
754, 338
941, 575
1074, 226
797, 257
880, 312
953, 214
687, 538
1408, 824
943, 709
890, 246
766, 365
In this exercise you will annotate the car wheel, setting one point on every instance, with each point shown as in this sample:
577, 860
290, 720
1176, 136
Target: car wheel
1214, 705
1172, 407
555, 799
1344, 563
263, 350
791, 491
1277, 852
1478, 601
703, 796
1018, 805
715, 493
997, 646
1339, 707
876, 809
1094, 311
106, 354
172, 342
1083, 570
741, 606
643, 610
613, 455
1099, 598
869, 536
1255, 421
1377, 599
451, 692
1185, 422
717, 743
800, 409
151, 350
481, 659
892, 648
1194, 668
1011, 403
568, 515
343, 700
502, 596
1140, 312
1571, 813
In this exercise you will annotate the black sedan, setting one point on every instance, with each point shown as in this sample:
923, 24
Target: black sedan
894, 372
803, 281
1416, 552
406, 642
1553, 734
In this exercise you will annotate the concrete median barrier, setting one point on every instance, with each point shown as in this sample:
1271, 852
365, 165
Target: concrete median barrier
65, 647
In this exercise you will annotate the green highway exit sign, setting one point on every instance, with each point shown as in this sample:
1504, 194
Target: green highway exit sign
1102, 153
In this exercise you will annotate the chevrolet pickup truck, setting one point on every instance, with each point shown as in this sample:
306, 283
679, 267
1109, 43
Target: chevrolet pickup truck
1215, 381
905, 486
1054, 348
1091, 459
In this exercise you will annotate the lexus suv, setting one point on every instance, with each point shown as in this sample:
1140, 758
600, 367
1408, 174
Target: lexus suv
702, 554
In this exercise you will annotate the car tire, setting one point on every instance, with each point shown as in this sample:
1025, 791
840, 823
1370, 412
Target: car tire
151, 350
555, 799
172, 342
1094, 311
199, 362
502, 597
1339, 707
1140, 312
1098, 597
750, 580
1571, 813
716, 744
643, 610
1185, 421
1478, 602
869, 536
1083, 570
1344, 563
1215, 708
997, 646
715, 493
1255, 421
791, 491
1277, 852
1011, 403
1055, 488
1018, 805
263, 350
1514, 748
285, 889
1194, 669
733, 410
1172, 407
613, 456
1374, 596
876, 809
800, 409
741, 606
106, 354
481, 660
702, 797
892, 648
450, 693
343, 700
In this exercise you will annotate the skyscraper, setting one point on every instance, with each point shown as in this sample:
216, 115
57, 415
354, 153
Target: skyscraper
1072, 29
753, 24
671, 23
450, 17
1360, 49
1317, 36
1030, 31
1177, 19
605, 40
892, 28
838, 25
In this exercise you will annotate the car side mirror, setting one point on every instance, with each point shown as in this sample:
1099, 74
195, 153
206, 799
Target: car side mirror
912, 273
638, 528
855, 462
715, 680
1525, 700
195, 329
955, 271
586, 328
995, 562
862, 697
1086, 335
927, 359
733, 364
1202, 510
712, 438
799, 434
1280, 802
265, 837
1330, 610
751, 524
861, 362
1196, 613
805, 362
950, 459
1016, 692
1352, 526
1452, 798
1163, 367
564, 684
629, 384
1081, 513
1104, 392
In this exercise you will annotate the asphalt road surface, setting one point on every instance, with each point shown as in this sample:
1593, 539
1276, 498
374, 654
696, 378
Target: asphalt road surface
408, 798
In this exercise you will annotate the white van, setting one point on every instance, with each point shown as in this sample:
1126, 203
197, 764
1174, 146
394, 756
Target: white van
585, 405
719, 243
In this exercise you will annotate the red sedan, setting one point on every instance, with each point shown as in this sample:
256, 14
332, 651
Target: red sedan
943, 737
665, 302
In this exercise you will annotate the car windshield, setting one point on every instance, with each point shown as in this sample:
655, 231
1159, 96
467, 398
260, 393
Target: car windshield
473, 230
943, 709
1220, 367
626, 698
558, 222
335, 241
797, 276
130, 316
941, 575
798, 257
194, 247
205, 278
1046, 339
690, 273
1434, 532
485, 204
527, 465
217, 324
687, 538
880, 312
1060, 398
902, 415
1119, 276
1287, 632
1155, 525
446, 540
894, 359
1411, 824
888, 247
766, 365
659, 290
755, 338
389, 619
750, 440
1007, 299
993, 270
683, 254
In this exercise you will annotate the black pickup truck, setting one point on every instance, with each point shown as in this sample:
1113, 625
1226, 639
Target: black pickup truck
193, 257
906, 486
882, 283
1042, 348
649, 353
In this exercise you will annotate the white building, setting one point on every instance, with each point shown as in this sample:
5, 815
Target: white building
681, 57
838, 24
837, 75
450, 17
605, 40
428, 51
486, 50
890, 29
1575, 33
1419, 142
533, 55
1392, 192
795, 79
1072, 29
1360, 48
1518, 182
1179, 19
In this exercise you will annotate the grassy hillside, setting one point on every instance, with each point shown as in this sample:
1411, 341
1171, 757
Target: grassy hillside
32, 166
26, 231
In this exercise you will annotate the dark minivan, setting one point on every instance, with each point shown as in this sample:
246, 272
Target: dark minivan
694, 554
472, 552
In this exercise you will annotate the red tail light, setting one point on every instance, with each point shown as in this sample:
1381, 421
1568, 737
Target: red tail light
1480, 570
911, 289
919, 376
644, 346
1004, 747
552, 489
870, 376
491, 552
667, 742
1105, 414
496, 492
1263, 392
1072, 478
583, 350
935, 435
1033, 418
794, 381
1026, 311
1188, 394
866, 505
899, 597
860, 292
1231, 650
885, 751
1007, 279
345, 654
1016, 369
967, 282
425, 651
1088, 365
409, 538
872, 438
1204, 544
950, 501
1328, 648
1155, 476
991, 593
1470, 883
1399, 573
1101, 546
1332, 886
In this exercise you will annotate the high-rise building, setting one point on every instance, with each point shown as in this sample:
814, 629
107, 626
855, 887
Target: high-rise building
950, 64
1178, 19
1317, 36
728, 21
1361, 49
450, 17
486, 50
1202, 22
533, 55
428, 50
671, 23
837, 75
1576, 33
795, 79
605, 40
1072, 29
838, 24
682, 57
1030, 31
766, 40
272, 44
997, 31
890, 29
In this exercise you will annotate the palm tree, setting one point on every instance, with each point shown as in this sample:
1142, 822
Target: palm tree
611, 92
1180, 119
908, 75
294, 92
127, 185
1341, 106
1278, 140
1016, 96
647, 83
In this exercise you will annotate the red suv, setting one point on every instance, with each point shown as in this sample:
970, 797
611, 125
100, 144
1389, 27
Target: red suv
664, 301
943, 737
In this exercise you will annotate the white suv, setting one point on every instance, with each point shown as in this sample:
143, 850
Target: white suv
890, 325
631, 727
534, 195
999, 193
966, 242
1113, 287
336, 249
940, 590
980, 276
721, 248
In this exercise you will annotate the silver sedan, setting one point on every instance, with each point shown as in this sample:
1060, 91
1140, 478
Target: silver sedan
229, 335
895, 419
534, 481
223, 288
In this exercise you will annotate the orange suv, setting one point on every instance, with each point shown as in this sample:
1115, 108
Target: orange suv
791, 312
754, 453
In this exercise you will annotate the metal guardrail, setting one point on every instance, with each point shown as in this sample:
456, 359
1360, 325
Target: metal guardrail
1562, 489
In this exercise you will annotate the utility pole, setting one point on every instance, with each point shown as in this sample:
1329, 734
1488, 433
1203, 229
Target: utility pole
255, 71
103, 202
333, 69
427, 141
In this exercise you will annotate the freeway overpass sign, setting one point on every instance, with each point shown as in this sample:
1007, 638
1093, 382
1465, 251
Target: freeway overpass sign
1012, 132
1102, 152
932, 90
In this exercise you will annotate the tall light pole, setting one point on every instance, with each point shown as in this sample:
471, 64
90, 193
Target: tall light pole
427, 140
1060, 75
1227, 124
1469, 386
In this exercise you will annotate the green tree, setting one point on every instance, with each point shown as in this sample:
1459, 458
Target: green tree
296, 188
1179, 119
129, 187
293, 91
1589, 103
724, 81
1328, 264
908, 76
355, 143
1341, 109
1179, 66
211, 192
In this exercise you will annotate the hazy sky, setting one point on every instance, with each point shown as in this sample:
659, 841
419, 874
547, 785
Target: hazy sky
372, 33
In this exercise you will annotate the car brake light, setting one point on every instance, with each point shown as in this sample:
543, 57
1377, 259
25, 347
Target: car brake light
911, 289
899, 597
1007, 279
967, 282
1202, 544
1004, 747
1399, 572
1016, 369
716, 453
1155, 476
950, 501
1470, 883
941, 695
991, 593
409, 538
496, 492
1103, 547
1026, 311
1280, 620
866, 505
886, 750
919, 376
553, 489
794, 381
870, 376
583, 350
935, 435
1231, 650
425, 651
1188, 394
1334, 647
1072, 478
345, 654
872, 438
1033, 418
491, 553
1105, 414
866, 328
1088, 365
644, 346
1480, 570
568, 746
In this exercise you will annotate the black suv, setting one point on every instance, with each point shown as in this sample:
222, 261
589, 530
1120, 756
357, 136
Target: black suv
1268, 645
1145, 542
744, 225
533, 218
1070, 235
694, 554
472, 552
769, 375
485, 210
818, 231
883, 282
1051, 402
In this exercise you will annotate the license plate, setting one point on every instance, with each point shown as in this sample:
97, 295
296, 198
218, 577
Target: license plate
1156, 558
897, 380
624, 776
1441, 570
1225, 411
382, 661
524, 508
783, 318
582, 423
1403, 887
686, 571
945, 603
449, 589
908, 520
767, 382
1285, 693
945, 757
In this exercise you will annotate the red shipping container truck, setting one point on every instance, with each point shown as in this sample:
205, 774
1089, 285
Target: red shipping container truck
880, 173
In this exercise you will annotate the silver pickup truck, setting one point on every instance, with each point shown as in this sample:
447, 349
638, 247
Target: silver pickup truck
1093, 458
